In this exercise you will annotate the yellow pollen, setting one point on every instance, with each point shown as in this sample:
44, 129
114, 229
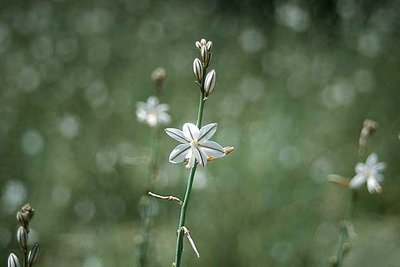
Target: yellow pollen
194, 143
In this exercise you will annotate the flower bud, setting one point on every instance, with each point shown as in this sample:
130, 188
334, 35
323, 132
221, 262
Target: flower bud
205, 56
198, 44
209, 46
33, 254
203, 42
22, 219
25, 215
22, 237
158, 74
13, 261
209, 83
197, 69
28, 209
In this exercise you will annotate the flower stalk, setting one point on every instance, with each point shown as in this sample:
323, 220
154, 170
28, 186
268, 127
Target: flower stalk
343, 246
182, 216
365, 173
153, 114
147, 208
195, 148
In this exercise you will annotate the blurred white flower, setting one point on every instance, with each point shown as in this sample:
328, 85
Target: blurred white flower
369, 173
195, 146
152, 112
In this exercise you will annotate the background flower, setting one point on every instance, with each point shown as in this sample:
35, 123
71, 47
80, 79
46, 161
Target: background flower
369, 173
152, 113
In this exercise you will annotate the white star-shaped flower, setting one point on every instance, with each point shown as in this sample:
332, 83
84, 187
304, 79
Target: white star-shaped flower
152, 112
195, 146
369, 172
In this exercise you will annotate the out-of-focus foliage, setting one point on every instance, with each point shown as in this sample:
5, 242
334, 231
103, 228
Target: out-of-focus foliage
296, 79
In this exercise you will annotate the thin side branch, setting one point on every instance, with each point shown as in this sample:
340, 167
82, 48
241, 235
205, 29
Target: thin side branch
343, 181
168, 198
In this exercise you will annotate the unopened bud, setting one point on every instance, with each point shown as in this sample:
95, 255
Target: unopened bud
209, 46
158, 74
25, 215
198, 70
22, 237
198, 44
22, 219
28, 209
33, 254
205, 56
333, 260
203, 42
209, 83
346, 247
13, 261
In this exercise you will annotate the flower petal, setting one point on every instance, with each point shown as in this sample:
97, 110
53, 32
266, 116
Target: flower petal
371, 160
141, 105
357, 181
207, 131
200, 156
152, 102
378, 177
191, 131
179, 153
379, 166
162, 108
141, 115
360, 167
192, 160
177, 135
212, 149
373, 186
164, 118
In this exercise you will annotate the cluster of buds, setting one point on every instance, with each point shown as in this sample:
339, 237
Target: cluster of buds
24, 216
205, 51
206, 82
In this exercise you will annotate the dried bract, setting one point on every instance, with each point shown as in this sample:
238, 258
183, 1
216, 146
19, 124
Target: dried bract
368, 129
158, 74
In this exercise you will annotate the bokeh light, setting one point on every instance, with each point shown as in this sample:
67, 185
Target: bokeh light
296, 79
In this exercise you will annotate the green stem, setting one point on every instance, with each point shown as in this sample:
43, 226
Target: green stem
25, 258
344, 235
148, 206
182, 217
201, 107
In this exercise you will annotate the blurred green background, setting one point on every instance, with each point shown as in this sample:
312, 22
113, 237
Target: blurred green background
295, 80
